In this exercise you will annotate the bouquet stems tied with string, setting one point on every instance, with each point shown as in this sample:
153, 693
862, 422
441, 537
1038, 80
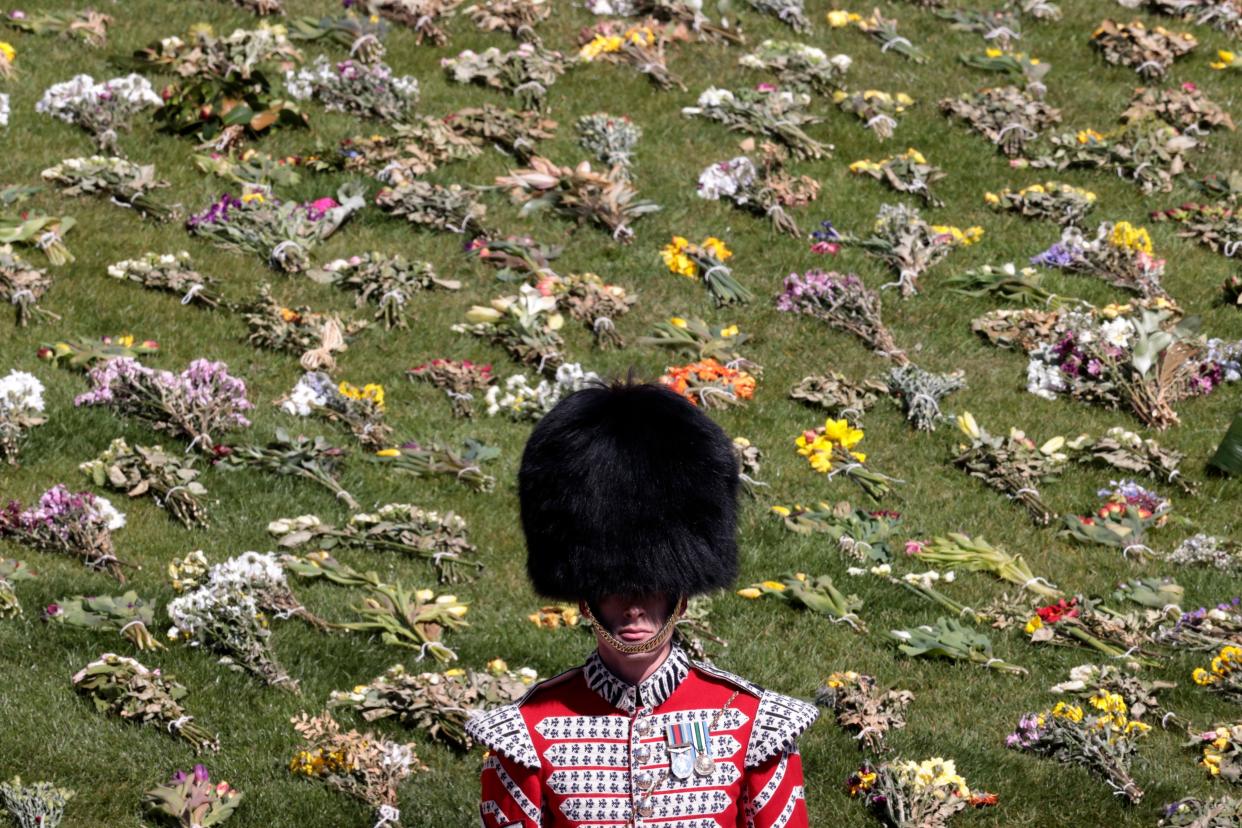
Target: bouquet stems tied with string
830, 450
453, 208
863, 709
458, 379
908, 173
83, 353
845, 303
764, 189
21, 409
287, 456
878, 110
78, 524
439, 459
361, 410
1012, 465
23, 285
952, 640
1053, 201
780, 115
124, 182
817, 594
170, 479
909, 794
709, 384
388, 282
525, 325
526, 72
706, 263
977, 555
908, 244
170, 272
312, 336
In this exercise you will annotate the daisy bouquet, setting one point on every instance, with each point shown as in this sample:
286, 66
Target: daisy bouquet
440, 703
193, 800
641, 46
388, 282
950, 639
910, 794
862, 708
258, 575
908, 244
281, 232
103, 108
844, 303
78, 524
975, 554
200, 403
126, 614
798, 66
906, 173
1098, 736
705, 263
766, 190
361, 410
23, 285
830, 450
1120, 254
285, 456
434, 459
438, 537
777, 114
369, 90
170, 272
123, 687
710, 384
521, 401
454, 208
817, 594
123, 182
1050, 201
525, 325
694, 338
1006, 116
1012, 464
458, 379
1150, 52
21, 409
525, 72
170, 479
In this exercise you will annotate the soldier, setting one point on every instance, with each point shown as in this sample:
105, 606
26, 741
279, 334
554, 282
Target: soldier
628, 504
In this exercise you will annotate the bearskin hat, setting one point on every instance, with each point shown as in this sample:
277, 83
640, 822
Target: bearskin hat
628, 488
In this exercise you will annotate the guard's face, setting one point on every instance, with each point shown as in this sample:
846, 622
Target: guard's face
634, 618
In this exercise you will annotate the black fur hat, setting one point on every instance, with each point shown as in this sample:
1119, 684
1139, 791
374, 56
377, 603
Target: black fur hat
628, 489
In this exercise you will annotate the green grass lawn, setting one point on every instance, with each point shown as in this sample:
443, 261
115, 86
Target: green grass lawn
960, 711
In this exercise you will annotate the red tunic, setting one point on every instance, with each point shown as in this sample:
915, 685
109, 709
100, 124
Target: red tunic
587, 750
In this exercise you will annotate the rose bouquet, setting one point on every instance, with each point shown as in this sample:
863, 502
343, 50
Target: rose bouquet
1120, 254
882, 30
361, 410
1100, 737
876, 109
1148, 152
363, 765
902, 239
798, 66
453, 208
641, 46
844, 303
705, 263
1051, 201
862, 708
780, 115
366, 90
830, 450
169, 478
205, 54
286, 456
952, 640
193, 800
1150, 52
439, 459
282, 232
172, 273
516, 17
611, 140
919, 392
838, 395
1012, 465
525, 325
200, 403
525, 73
11, 571
1007, 116
123, 182
103, 109
438, 704
21, 409
1184, 107
397, 527
88, 26
977, 555
38, 805
766, 190
423, 16
124, 688
817, 594
313, 336
458, 379
696, 339
709, 384
906, 173
520, 401
78, 524
1218, 227
126, 614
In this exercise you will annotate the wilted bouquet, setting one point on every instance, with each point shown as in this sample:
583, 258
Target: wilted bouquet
37, 805
88, 26
363, 765
862, 708
282, 232
1017, 64
1223, 675
1083, 622
816, 594
126, 614
509, 130
765, 190
361, 410
526, 72
286, 456
1222, 751
193, 800
458, 379
440, 538
439, 459
169, 478
103, 109
1208, 550
830, 450
709, 384
1099, 737
205, 54
516, 258
705, 263
798, 66
909, 794
780, 115
1091, 680
1150, 52
1052, 201
1148, 152
589, 299
525, 325
839, 395
123, 687
901, 238
79, 524
123, 182
418, 147
200, 403
1007, 116
312, 336
517, 17
11, 571
861, 536
453, 208
611, 139
1219, 812
439, 704
21, 409
423, 16
519, 400
1216, 226
882, 30
905, 173
845, 303
952, 640
919, 392
1184, 107
1204, 629
1120, 254
1012, 465
170, 272
365, 89
22, 285
641, 46
877, 110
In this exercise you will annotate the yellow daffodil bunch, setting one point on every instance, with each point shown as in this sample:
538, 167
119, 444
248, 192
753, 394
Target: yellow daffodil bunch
641, 36
370, 391
961, 237
819, 445
1225, 59
555, 615
936, 773
683, 257
1126, 236
838, 19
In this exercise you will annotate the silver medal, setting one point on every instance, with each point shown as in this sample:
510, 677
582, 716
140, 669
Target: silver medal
681, 760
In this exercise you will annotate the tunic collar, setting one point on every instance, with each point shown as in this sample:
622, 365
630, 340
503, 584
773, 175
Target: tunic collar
652, 692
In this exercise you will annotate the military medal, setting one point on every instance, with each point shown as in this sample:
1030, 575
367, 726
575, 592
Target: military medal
701, 734
681, 750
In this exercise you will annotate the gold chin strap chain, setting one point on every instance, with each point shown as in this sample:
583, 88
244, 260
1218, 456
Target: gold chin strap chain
654, 643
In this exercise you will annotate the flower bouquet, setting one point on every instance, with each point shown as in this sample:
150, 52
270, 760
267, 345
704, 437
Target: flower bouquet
126, 614
641, 46
396, 527
38, 805
261, 7
798, 66
790, 12
169, 478
1051, 201
35, 229
1091, 680
861, 536
281, 232
439, 704
816, 594
1222, 751
525, 325
611, 140
83, 353
1150, 52
1202, 629
1222, 15
1218, 227
257, 575
1016, 64
172, 273
589, 299
124, 688
453, 208
695, 339
516, 17
520, 401
1012, 465
193, 800
1120, 254
919, 392
876, 109
436, 458
416, 148
103, 109
766, 190
709, 384
706, 263
1100, 738
78, 524
830, 450
200, 403
882, 30
366, 90
509, 130
908, 244
525, 73
23, 285
1208, 550
516, 258
1224, 674
748, 457
845, 303
11, 571
579, 193
205, 54
909, 794
838, 395
780, 115
124, 182
862, 708
952, 640
1007, 116
1085, 623
361, 410
458, 379
1148, 152
977, 555
423, 16
315, 337
225, 110
1184, 107
21, 409
88, 26
1129, 511
287, 456
555, 616
1220, 812
906, 173
363, 765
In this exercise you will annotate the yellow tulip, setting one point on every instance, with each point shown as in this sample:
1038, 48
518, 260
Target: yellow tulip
749, 592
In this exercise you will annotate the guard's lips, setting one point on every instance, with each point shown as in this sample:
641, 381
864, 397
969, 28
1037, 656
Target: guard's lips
634, 633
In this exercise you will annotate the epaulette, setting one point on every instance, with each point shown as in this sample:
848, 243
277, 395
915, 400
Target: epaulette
732, 678
504, 730
779, 721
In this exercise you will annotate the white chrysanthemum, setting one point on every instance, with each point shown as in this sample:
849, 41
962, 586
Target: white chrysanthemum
1116, 332
727, 178
20, 391
108, 513
248, 572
